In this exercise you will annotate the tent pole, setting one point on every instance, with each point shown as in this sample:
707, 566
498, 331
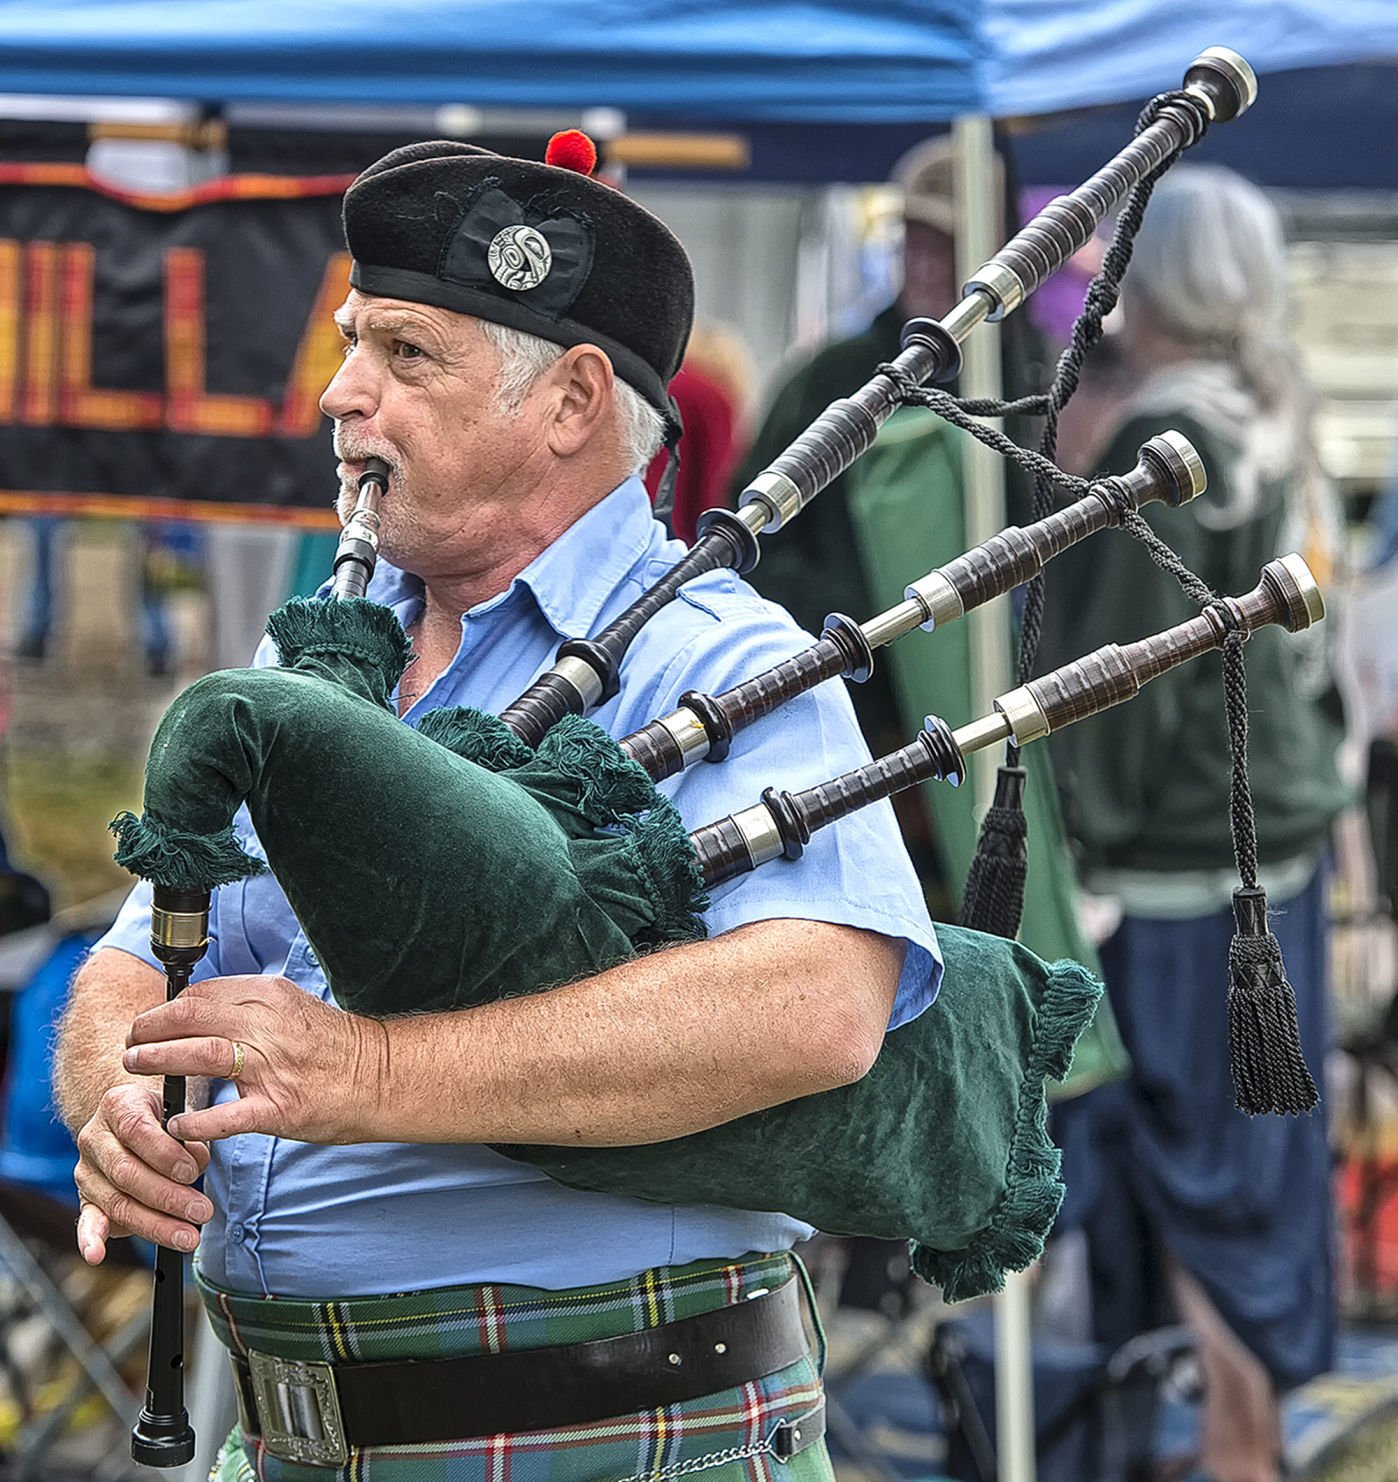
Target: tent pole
978, 238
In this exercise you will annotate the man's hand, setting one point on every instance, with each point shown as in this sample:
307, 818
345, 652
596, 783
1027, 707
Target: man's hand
134, 1178
310, 1072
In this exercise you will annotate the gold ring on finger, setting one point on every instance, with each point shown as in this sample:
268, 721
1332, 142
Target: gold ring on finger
240, 1056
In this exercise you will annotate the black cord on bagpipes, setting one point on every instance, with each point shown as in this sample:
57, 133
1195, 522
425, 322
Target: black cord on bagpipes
1269, 1069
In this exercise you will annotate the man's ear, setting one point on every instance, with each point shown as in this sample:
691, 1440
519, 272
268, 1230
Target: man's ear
581, 393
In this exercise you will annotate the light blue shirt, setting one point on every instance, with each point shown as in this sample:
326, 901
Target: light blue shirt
298, 1219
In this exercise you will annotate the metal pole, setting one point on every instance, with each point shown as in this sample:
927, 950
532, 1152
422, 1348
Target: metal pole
983, 473
982, 469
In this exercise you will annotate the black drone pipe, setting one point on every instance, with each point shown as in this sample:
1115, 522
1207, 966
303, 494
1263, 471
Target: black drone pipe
1218, 86
783, 822
702, 728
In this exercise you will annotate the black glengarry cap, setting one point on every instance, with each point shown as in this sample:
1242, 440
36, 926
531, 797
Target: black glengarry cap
539, 247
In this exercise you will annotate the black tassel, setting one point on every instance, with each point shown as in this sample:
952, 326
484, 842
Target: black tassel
1264, 1040
994, 899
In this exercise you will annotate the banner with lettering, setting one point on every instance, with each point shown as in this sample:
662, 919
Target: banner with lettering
165, 354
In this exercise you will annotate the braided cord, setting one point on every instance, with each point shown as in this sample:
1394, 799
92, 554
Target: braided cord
1242, 819
1101, 298
1103, 294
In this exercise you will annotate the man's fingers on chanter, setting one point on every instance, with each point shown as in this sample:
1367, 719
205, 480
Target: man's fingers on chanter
133, 1122
226, 1119
212, 1056
94, 1230
190, 1016
115, 1170
127, 1215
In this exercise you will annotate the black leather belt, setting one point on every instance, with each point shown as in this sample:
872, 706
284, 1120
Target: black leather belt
313, 1413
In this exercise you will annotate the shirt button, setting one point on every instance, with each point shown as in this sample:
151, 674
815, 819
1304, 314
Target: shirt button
237, 1234
312, 958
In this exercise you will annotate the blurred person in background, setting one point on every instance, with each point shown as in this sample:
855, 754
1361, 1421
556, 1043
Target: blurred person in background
1193, 1210
166, 552
821, 563
713, 391
1383, 522
813, 568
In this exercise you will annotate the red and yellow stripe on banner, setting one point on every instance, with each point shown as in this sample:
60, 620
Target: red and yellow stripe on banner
229, 188
138, 507
9, 327
38, 402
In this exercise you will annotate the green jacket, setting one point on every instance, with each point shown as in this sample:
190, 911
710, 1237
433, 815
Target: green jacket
1146, 784
906, 516
809, 566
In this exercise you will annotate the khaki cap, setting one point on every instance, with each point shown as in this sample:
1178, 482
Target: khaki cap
926, 174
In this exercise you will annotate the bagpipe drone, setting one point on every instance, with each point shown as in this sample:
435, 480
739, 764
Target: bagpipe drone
466, 805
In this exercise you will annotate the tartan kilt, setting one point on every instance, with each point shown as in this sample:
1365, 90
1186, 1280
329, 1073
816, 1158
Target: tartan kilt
725, 1436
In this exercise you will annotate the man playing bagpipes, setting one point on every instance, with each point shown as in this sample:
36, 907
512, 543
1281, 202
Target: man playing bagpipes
507, 347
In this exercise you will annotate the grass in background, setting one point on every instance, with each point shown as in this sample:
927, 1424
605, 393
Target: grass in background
56, 816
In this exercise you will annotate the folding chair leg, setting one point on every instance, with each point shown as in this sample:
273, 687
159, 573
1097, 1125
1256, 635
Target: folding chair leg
15, 1254
34, 1442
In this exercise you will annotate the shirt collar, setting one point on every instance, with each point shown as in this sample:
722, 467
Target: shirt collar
569, 580
572, 579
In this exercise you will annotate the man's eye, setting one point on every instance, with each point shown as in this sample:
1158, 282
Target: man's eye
405, 351
347, 343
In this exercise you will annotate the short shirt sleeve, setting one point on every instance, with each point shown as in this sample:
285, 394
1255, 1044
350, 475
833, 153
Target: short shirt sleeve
855, 872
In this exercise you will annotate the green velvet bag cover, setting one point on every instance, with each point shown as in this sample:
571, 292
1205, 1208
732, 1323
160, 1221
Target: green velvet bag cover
422, 879
944, 1140
451, 866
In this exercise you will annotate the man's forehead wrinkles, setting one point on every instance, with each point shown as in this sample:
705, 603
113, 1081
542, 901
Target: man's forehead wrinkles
390, 319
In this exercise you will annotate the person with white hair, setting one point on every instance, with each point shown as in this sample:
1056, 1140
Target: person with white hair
1193, 1210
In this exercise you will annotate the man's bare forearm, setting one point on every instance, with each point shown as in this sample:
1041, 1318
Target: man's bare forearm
657, 1048
107, 994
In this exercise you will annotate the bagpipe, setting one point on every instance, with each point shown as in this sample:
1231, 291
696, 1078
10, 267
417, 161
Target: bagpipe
944, 1141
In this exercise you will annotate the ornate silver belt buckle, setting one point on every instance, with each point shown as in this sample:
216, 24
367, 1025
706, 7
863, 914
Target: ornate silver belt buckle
298, 1410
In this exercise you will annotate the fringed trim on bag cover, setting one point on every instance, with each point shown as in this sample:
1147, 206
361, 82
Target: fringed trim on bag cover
475, 737
1014, 1237
609, 784
180, 861
355, 629
614, 792
611, 792
669, 871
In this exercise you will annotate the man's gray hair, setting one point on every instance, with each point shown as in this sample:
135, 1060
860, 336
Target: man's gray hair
525, 357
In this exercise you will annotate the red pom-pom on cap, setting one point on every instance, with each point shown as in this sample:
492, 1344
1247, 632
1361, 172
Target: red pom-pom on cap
572, 150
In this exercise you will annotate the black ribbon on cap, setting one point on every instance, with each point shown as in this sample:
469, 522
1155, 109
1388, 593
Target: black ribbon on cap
491, 218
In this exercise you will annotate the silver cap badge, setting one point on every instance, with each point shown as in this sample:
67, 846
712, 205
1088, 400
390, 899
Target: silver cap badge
519, 257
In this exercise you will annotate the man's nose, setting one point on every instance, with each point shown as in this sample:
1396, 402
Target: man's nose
351, 390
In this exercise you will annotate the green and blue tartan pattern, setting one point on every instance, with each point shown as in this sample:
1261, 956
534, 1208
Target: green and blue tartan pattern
725, 1437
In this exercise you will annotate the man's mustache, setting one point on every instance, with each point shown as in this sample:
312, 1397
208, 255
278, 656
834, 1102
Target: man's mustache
350, 452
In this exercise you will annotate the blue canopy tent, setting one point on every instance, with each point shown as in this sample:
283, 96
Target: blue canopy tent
824, 89
844, 61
